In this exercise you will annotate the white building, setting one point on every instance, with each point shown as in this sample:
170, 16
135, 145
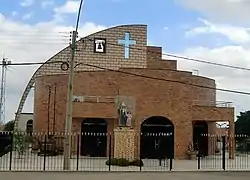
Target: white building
25, 122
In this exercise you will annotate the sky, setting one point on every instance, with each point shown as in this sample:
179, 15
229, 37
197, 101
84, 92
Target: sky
211, 30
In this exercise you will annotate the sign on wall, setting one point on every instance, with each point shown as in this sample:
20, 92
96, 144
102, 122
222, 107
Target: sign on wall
100, 45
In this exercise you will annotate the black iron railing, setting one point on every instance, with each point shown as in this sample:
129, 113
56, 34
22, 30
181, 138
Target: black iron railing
96, 152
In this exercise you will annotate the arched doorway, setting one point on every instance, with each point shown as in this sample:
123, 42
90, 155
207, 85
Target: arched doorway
29, 126
157, 138
200, 137
94, 137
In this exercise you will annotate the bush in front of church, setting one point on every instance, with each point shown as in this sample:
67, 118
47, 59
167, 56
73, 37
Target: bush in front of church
123, 162
136, 162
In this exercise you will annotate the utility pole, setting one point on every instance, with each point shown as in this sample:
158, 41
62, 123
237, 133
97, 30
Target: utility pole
68, 123
3, 90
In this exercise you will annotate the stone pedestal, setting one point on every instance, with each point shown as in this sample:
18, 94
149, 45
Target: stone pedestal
124, 144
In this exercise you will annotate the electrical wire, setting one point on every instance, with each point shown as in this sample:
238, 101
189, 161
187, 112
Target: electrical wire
38, 44
32, 63
178, 56
149, 77
18, 31
134, 74
20, 34
168, 80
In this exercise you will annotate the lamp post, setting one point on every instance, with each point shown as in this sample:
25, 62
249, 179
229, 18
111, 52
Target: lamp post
68, 123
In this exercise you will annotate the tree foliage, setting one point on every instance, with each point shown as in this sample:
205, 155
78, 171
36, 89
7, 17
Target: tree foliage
242, 131
20, 142
242, 125
9, 126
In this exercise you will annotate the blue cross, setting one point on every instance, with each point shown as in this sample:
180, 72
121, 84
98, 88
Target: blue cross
126, 42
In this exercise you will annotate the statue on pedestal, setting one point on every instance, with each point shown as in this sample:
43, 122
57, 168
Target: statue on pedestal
124, 115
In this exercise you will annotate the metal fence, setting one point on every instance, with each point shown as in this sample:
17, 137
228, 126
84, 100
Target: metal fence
29, 152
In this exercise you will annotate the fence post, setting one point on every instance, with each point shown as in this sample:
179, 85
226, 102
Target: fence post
171, 163
140, 157
78, 151
199, 161
224, 152
11, 149
110, 146
45, 152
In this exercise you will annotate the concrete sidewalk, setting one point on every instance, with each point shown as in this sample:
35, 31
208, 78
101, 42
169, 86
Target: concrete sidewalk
125, 176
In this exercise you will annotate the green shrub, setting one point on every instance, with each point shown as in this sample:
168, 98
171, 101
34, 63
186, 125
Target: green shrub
123, 162
136, 162
117, 162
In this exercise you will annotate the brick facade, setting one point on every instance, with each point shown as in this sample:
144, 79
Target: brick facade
177, 98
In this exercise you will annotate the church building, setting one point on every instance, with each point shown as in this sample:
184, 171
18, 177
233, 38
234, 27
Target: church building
123, 86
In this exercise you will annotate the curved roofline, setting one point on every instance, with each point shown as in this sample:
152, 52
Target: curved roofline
52, 57
117, 26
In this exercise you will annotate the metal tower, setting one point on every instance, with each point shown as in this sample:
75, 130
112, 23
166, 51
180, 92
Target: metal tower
3, 89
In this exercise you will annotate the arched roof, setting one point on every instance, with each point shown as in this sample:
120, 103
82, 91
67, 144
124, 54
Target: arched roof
50, 69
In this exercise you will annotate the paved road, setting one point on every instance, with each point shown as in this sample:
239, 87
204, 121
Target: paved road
125, 176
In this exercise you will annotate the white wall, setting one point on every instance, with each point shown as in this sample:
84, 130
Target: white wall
23, 120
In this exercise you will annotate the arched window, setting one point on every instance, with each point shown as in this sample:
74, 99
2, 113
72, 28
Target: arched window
29, 126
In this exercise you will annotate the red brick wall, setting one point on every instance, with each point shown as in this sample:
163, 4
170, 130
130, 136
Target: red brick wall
154, 59
153, 98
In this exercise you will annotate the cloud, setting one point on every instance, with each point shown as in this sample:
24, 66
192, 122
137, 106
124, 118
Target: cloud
226, 78
222, 18
47, 3
27, 16
14, 13
236, 34
221, 10
21, 42
70, 7
26, 3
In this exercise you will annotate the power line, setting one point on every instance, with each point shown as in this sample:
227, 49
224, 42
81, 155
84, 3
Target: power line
35, 43
32, 63
207, 62
168, 80
35, 37
18, 31
52, 37
143, 76
179, 57
32, 35
134, 74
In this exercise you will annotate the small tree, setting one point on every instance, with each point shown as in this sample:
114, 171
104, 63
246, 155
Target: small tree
20, 142
9, 126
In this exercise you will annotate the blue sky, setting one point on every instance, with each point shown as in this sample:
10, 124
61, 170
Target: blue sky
158, 16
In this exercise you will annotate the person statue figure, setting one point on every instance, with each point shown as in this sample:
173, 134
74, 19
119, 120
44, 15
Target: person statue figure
129, 119
123, 114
